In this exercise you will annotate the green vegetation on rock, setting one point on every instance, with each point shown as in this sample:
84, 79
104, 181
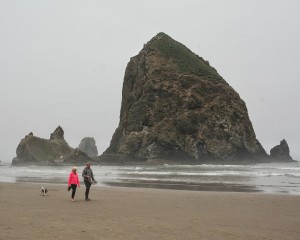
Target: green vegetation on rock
186, 60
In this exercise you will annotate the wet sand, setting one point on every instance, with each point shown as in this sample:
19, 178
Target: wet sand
139, 213
216, 187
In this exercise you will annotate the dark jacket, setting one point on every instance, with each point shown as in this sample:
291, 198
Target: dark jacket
88, 175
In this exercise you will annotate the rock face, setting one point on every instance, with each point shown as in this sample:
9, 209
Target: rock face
35, 150
176, 107
281, 152
88, 145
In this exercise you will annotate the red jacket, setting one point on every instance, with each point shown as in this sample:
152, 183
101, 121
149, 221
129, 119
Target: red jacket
73, 179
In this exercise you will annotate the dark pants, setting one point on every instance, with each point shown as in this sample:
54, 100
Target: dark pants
87, 188
74, 187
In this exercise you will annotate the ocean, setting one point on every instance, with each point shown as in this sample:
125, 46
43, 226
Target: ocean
279, 178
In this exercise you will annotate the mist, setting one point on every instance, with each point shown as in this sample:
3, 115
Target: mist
63, 62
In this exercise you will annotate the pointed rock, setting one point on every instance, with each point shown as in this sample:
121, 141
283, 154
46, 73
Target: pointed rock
57, 134
281, 152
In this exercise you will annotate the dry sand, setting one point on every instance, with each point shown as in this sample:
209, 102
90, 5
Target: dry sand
137, 213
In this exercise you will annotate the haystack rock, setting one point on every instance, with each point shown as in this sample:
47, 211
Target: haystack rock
88, 145
281, 152
176, 107
35, 150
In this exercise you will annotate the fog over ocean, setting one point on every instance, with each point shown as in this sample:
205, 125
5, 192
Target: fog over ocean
63, 62
279, 178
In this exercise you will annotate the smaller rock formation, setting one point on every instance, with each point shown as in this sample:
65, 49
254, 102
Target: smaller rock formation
281, 152
35, 150
88, 145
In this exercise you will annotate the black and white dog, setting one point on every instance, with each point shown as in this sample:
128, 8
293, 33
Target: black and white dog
44, 191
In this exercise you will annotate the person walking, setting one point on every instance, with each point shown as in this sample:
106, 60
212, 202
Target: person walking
88, 177
73, 182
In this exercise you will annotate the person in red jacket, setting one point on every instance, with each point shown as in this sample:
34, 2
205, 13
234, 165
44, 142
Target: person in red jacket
73, 182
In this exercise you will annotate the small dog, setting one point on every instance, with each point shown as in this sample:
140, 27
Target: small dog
44, 191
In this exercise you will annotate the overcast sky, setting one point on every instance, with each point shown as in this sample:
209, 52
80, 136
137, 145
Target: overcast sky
62, 62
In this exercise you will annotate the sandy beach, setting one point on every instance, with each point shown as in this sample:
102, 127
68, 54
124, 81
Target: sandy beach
138, 213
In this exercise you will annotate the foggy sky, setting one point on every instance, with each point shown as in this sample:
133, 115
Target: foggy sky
63, 62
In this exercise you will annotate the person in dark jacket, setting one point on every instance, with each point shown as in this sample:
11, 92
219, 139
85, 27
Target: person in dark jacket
88, 178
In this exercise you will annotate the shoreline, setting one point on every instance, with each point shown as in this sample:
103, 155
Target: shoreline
140, 213
172, 186
166, 185
279, 179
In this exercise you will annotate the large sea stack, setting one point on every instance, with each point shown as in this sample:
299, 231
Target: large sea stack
35, 150
176, 107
